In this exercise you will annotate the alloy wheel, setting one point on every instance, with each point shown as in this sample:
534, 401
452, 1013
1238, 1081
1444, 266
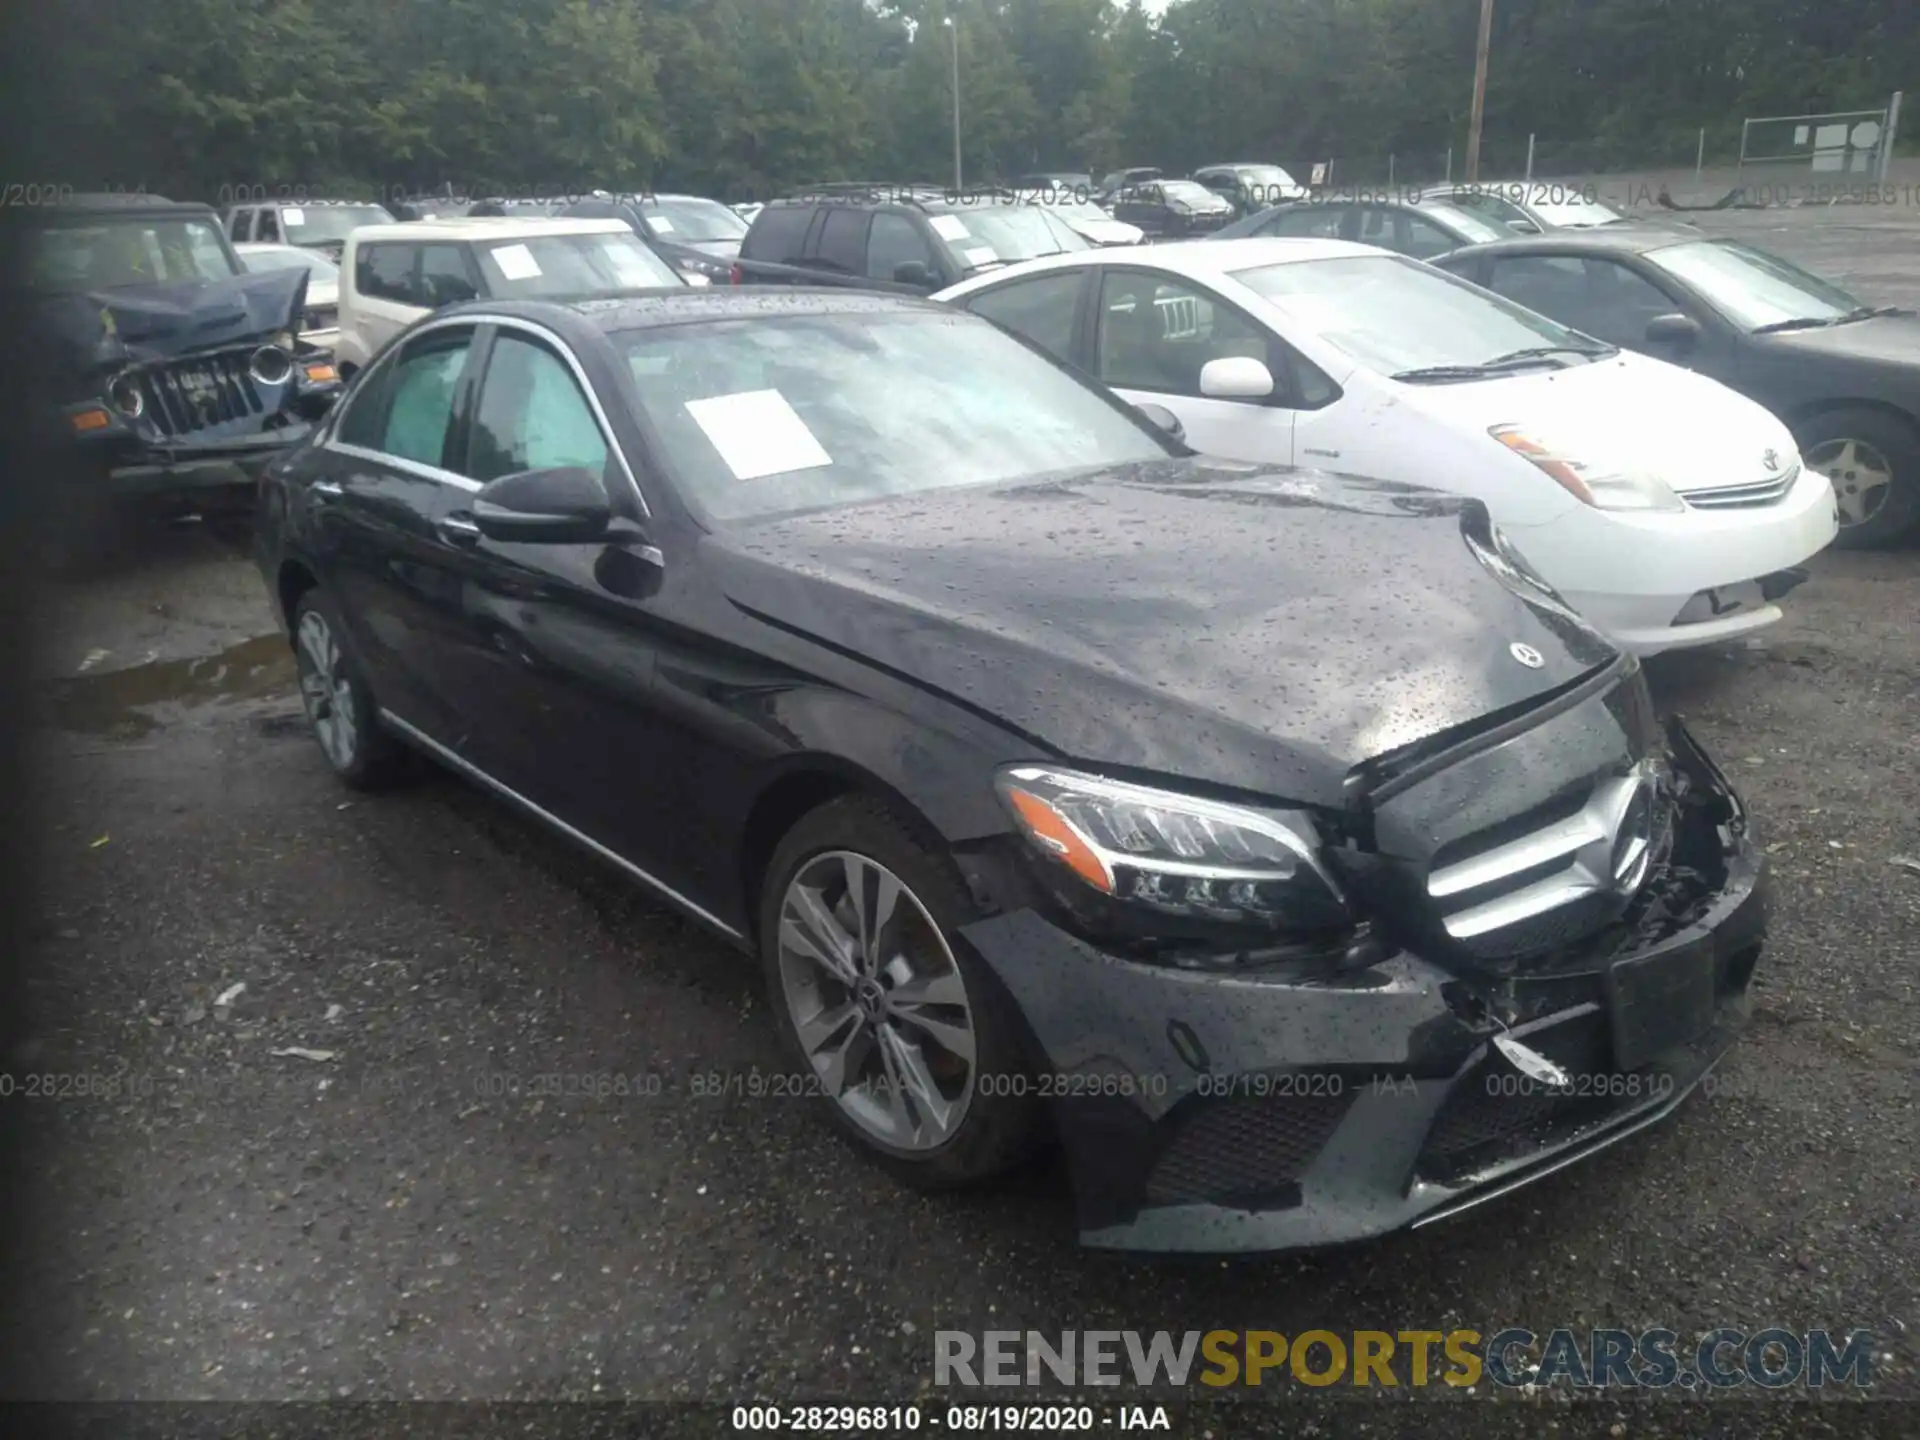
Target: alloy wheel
877, 1000
1862, 477
326, 690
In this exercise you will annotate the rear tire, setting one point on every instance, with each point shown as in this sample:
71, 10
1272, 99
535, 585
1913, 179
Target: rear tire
913, 1046
340, 708
1873, 460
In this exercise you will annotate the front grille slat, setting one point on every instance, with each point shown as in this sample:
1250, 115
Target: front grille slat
1732, 497
230, 393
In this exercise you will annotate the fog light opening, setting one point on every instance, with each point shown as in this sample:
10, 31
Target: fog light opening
270, 365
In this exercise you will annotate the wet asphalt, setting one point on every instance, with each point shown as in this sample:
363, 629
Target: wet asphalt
340, 1184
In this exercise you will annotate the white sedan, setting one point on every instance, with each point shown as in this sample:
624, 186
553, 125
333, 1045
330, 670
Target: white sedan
1666, 508
321, 322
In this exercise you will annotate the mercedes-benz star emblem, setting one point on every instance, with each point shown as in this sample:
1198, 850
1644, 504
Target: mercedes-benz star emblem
1526, 655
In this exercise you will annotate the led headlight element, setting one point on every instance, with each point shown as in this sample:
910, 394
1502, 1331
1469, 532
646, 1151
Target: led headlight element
1595, 485
1178, 854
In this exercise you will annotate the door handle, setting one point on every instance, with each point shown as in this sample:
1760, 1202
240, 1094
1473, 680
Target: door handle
325, 490
458, 529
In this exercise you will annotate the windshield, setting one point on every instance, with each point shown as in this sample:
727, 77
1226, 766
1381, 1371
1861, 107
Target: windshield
1476, 227
1393, 314
1188, 192
992, 234
1266, 175
318, 224
286, 257
573, 265
113, 253
767, 417
1750, 287
693, 220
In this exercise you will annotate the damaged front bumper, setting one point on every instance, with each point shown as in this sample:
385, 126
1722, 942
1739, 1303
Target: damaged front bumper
1222, 1112
128, 464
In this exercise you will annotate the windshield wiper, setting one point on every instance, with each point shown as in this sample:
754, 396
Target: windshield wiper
1803, 322
1440, 374
1547, 352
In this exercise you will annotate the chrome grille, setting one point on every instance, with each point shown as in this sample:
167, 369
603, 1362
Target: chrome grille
1600, 851
191, 395
1763, 492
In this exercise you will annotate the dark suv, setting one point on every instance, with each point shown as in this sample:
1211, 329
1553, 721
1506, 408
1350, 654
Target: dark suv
168, 367
918, 238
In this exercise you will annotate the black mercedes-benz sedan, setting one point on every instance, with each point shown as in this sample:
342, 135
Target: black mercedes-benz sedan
1277, 842
1843, 374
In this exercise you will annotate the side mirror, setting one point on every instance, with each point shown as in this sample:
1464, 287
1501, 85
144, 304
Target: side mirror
1523, 227
1236, 377
913, 272
1673, 332
1164, 418
567, 505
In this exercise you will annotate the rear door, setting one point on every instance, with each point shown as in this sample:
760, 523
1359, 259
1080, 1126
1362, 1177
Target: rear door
380, 511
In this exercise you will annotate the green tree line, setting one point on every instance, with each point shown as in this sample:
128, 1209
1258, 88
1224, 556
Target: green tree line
740, 98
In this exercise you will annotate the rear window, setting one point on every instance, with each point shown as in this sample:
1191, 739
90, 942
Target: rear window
571, 265
778, 234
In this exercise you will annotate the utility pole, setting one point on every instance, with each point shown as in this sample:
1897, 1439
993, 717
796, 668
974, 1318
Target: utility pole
954, 31
1479, 90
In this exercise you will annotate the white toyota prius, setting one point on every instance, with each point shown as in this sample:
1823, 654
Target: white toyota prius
1666, 508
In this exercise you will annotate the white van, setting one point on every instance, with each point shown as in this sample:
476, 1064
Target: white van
392, 275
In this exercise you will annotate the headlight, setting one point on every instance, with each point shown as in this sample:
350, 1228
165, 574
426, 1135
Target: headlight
124, 394
272, 364
1177, 854
1603, 488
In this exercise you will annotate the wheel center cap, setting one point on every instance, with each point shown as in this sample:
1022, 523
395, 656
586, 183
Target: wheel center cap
871, 999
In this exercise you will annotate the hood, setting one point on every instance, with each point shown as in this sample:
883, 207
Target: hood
1880, 340
1103, 232
1255, 628
137, 324
1631, 411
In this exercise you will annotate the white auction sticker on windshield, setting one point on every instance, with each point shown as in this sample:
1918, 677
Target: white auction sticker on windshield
661, 223
757, 433
981, 255
516, 262
948, 227
294, 216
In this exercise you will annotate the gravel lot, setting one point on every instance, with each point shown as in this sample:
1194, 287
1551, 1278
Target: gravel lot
388, 1224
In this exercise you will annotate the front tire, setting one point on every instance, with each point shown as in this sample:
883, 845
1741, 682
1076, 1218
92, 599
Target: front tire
914, 1046
340, 708
1873, 460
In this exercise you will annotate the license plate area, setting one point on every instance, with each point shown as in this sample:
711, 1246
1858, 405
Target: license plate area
1659, 1001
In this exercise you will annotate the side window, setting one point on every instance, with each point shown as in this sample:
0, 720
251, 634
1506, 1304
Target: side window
1627, 301
1555, 285
238, 225
422, 401
1376, 227
446, 276
532, 415
1317, 222
843, 240
1041, 309
894, 242
385, 272
269, 226
404, 407
1422, 239
778, 234
1156, 333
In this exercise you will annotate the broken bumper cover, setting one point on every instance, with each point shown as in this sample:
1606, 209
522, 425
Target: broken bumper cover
1224, 1112
125, 464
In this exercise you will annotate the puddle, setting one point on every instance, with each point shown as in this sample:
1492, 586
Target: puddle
118, 704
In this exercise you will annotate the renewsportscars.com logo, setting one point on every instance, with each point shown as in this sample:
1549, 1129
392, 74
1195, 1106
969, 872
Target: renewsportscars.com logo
1771, 1358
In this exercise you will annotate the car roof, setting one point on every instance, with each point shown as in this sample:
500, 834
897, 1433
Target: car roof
1205, 258
487, 227
1608, 239
314, 201
664, 306
88, 206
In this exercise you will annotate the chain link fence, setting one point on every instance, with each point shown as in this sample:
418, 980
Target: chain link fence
1507, 157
